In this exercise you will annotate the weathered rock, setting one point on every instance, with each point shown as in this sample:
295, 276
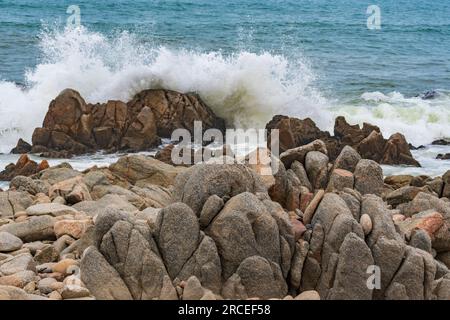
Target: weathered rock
366, 223
73, 228
34, 229
21, 262
299, 153
21, 147
301, 174
32, 186
51, 209
129, 256
19, 279
73, 127
262, 278
347, 159
308, 295
73, 292
246, 227
316, 165
397, 151
369, 177
72, 190
141, 170
398, 181
223, 181
402, 195
210, 209
13, 201
177, 236
23, 167
9, 242
339, 180
310, 210
109, 201
12, 293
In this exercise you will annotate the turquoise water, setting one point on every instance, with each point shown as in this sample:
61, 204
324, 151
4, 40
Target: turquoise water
409, 54
249, 59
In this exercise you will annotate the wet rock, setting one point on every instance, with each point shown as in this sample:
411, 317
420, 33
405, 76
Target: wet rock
23, 167
21, 147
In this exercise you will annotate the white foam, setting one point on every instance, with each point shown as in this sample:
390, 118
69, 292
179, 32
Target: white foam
421, 121
245, 88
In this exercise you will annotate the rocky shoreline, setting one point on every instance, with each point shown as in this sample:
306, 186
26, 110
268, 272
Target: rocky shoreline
318, 228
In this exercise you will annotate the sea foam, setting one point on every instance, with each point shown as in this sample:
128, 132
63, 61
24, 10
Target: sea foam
245, 88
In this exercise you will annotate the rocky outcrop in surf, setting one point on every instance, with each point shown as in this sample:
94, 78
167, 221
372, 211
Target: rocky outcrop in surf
368, 140
72, 126
143, 229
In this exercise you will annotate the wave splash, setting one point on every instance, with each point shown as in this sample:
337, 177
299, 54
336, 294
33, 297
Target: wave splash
245, 88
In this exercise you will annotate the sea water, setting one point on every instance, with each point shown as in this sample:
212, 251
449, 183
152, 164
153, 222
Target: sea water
248, 59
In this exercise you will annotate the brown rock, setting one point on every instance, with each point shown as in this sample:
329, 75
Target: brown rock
23, 167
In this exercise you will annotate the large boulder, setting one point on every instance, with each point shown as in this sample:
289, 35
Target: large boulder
195, 185
367, 140
141, 170
72, 126
23, 167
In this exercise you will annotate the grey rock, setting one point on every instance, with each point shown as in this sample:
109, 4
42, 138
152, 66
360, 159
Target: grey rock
34, 229
347, 159
52, 209
316, 165
102, 280
9, 242
369, 177
262, 278
177, 236
15, 264
210, 209
223, 181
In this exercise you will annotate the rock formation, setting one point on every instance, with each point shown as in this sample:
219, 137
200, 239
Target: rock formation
72, 126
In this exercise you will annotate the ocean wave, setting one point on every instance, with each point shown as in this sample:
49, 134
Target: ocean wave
420, 120
245, 88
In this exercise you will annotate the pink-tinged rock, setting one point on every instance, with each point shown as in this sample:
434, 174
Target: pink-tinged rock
298, 227
73, 228
429, 221
305, 199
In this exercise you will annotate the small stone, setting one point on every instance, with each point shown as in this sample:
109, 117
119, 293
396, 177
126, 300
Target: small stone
45, 285
63, 265
55, 295
366, 223
398, 218
19, 279
9, 242
311, 209
30, 287
74, 292
193, 289
308, 295
48, 254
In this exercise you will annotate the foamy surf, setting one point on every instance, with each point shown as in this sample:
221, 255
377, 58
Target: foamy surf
245, 88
